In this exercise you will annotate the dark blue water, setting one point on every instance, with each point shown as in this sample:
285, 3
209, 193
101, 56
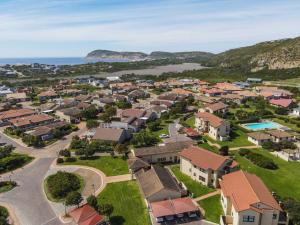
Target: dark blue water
53, 61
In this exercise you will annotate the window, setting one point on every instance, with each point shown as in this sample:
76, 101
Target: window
274, 216
202, 178
248, 218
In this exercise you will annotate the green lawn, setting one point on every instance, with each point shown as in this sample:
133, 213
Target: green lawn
212, 207
129, 206
210, 148
110, 166
191, 121
164, 129
290, 125
284, 181
6, 186
239, 139
193, 186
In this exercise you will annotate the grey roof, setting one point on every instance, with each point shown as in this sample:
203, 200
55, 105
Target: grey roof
136, 164
108, 134
73, 111
167, 148
155, 180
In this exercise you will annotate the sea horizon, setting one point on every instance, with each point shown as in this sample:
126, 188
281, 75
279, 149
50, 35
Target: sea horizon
53, 60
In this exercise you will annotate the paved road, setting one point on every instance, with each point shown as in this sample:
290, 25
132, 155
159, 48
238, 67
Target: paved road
174, 135
28, 199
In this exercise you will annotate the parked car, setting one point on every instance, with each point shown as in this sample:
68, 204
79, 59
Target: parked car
164, 136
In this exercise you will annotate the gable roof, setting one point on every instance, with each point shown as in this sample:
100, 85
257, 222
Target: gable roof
166, 148
156, 179
133, 113
108, 134
245, 190
216, 106
173, 207
203, 158
86, 215
214, 121
283, 102
13, 113
259, 135
136, 164
32, 119
279, 133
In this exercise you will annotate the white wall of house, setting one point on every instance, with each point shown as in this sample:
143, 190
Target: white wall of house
258, 142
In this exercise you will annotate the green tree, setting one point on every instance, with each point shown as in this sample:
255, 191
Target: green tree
92, 201
106, 209
90, 113
154, 126
224, 150
73, 198
121, 149
92, 123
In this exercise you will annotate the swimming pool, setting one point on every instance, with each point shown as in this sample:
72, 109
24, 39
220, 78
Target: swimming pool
261, 125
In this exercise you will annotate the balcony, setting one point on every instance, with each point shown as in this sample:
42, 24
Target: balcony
226, 220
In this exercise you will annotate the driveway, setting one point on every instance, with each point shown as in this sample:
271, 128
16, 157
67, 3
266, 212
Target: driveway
175, 136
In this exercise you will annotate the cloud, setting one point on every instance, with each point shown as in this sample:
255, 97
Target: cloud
144, 25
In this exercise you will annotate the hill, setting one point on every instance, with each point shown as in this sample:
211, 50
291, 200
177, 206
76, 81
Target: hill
139, 56
271, 55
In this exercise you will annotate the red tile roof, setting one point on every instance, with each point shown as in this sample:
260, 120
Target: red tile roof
16, 113
245, 190
173, 207
203, 158
211, 118
86, 215
283, 102
32, 119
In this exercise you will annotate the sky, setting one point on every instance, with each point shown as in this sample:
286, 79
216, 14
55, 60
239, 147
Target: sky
72, 28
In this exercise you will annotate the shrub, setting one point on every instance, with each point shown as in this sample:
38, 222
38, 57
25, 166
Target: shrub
4, 216
244, 151
65, 153
224, 151
70, 159
258, 159
62, 183
59, 160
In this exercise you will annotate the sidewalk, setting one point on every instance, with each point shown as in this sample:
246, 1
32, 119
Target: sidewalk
217, 192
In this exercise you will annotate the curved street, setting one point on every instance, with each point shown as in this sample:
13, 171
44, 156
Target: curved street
28, 199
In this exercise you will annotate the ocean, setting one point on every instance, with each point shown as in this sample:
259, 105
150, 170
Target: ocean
53, 61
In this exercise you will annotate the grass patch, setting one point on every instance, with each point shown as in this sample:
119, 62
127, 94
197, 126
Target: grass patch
238, 139
212, 207
191, 121
209, 147
7, 186
129, 207
110, 166
14, 161
289, 125
284, 181
193, 186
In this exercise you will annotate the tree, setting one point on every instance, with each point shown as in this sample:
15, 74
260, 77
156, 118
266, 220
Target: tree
121, 149
293, 208
106, 209
123, 104
92, 201
73, 198
92, 123
90, 113
144, 138
88, 151
224, 150
154, 126
65, 153
6, 151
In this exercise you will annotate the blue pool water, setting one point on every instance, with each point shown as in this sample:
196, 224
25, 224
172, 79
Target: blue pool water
261, 125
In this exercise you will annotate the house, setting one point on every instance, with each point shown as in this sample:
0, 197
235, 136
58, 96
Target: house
157, 184
111, 135
29, 122
216, 127
70, 115
246, 94
86, 215
218, 107
138, 94
241, 84
246, 200
139, 114
288, 155
282, 102
83, 98
205, 166
235, 98
227, 87
258, 138
279, 135
296, 111
5, 116
45, 95
167, 210
17, 97
162, 153
135, 164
